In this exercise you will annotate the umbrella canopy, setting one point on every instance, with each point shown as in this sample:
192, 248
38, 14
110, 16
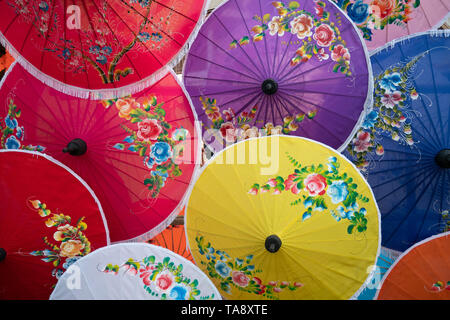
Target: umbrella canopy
174, 239
99, 48
262, 67
299, 222
134, 271
138, 152
403, 145
49, 218
421, 273
381, 21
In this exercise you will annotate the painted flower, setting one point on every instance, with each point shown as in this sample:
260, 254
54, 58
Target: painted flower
414, 94
222, 269
252, 132
43, 5
228, 131
20, 132
229, 114
379, 150
358, 11
178, 292
339, 52
390, 82
125, 106
337, 191
370, 120
143, 36
390, 100
322, 55
275, 26
12, 143
261, 288
10, 123
70, 261
164, 281
324, 35
301, 26
145, 275
362, 141
59, 235
240, 278
161, 152
382, 8
180, 134
315, 184
149, 129
71, 248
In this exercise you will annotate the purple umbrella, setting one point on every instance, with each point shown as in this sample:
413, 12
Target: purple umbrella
261, 67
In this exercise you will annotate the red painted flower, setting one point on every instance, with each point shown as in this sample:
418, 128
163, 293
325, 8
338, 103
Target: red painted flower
362, 142
340, 51
240, 278
228, 131
228, 114
324, 35
315, 184
382, 8
145, 275
148, 129
262, 288
164, 281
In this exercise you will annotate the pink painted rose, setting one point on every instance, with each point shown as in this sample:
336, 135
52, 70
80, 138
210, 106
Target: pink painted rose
340, 51
295, 189
390, 100
148, 129
164, 281
301, 26
315, 184
240, 278
125, 106
272, 182
362, 141
324, 35
228, 131
253, 191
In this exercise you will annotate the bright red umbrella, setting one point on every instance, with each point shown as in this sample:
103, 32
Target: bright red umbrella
138, 153
49, 218
102, 48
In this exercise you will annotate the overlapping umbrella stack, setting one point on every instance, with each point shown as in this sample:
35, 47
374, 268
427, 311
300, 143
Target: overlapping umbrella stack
325, 170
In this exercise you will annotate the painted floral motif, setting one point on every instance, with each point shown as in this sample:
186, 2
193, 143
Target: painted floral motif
319, 35
377, 14
72, 242
161, 279
390, 116
12, 134
100, 47
316, 186
440, 286
239, 273
232, 127
152, 137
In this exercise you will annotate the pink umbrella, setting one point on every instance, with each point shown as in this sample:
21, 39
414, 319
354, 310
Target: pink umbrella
138, 153
99, 48
381, 21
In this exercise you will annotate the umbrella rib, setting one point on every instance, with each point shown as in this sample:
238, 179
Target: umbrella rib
302, 128
172, 9
282, 59
265, 45
213, 94
311, 81
410, 211
390, 170
414, 154
253, 43
230, 55
221, 80
326, 93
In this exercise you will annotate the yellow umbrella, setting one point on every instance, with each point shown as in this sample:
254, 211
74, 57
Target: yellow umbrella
283, 217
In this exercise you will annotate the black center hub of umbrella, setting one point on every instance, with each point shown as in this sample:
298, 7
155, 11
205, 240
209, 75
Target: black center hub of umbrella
273, 243
443, 158
269, 86
76, 147
2, 254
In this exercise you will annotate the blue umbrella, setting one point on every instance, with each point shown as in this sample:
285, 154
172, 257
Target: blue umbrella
403, 145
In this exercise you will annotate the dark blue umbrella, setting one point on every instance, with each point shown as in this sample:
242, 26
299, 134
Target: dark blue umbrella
403, 146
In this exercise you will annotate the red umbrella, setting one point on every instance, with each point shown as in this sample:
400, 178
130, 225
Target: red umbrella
49, 218
102, 48
138, 153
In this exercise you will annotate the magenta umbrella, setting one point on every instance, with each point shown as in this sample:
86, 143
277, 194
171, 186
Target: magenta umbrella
138, 153
263, 67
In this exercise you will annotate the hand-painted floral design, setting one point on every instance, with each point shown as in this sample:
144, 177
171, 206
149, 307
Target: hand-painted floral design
73, 243
440, 286
161, 279
152, 137
377, 14
231, 127
390, 115
317, 186
319, 35
101, 49
12, 134
239, 273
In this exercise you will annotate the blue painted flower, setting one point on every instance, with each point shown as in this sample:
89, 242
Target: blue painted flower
143, 36
20, 132
12, 143
337, 191
308, 202
178, 293
70, 261
390, 82
106, 50
43, 5
101, 59
161, 151
66, 54
345, 214
57, 273
149, 162
10, 123
370, 120
222, 269
94, 49
358, 11
156, 36
180, 134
